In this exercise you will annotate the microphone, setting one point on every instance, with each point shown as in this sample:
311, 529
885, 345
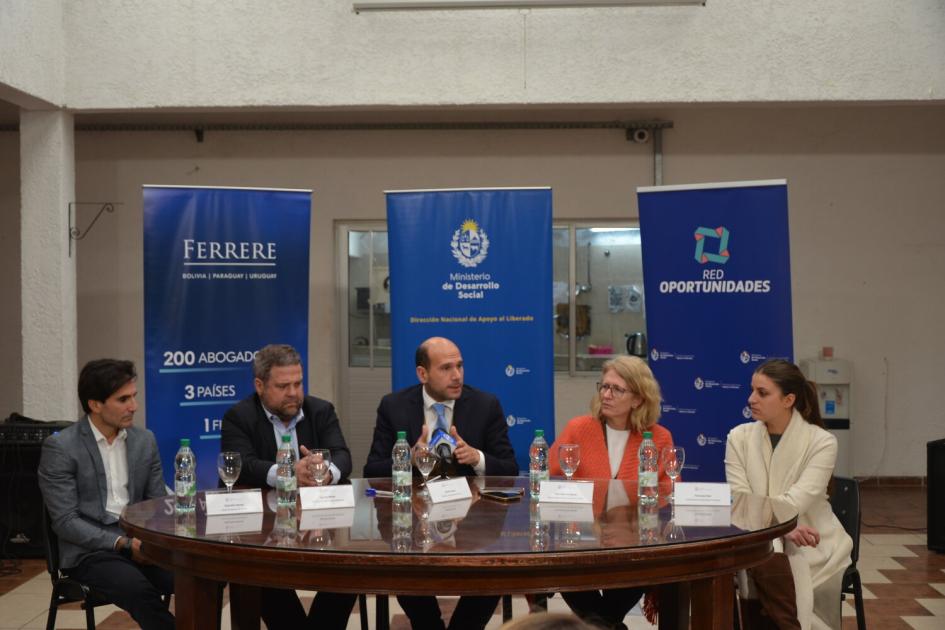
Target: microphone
443, 444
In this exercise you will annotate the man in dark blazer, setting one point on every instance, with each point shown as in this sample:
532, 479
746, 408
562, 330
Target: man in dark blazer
475, 420
87, 474
254, 427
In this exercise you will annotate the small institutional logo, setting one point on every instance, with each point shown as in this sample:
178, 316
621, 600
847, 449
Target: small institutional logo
509, 370
698, 383
744, 356
510, 420
720, 233
746, 412
701, 439
654, 354
470, 244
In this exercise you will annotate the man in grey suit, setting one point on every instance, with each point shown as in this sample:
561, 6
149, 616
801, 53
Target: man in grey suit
87, 474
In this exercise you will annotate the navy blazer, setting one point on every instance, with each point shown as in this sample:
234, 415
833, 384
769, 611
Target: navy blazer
477, 416
248, 431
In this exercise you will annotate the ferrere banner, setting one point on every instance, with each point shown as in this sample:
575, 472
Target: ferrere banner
225, 273
475, 266
717, 280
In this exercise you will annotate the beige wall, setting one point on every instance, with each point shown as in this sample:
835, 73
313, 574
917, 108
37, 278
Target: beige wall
866, 195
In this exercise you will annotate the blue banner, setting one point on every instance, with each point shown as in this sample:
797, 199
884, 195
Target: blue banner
225, 273
475, 266
717, 280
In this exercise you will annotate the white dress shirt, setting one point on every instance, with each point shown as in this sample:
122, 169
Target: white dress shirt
429, 418
115, 461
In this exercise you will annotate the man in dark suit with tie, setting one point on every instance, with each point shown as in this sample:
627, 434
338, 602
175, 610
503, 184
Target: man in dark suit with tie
475, 420
87, 474
254, 427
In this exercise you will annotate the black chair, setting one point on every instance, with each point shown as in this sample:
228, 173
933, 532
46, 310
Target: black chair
65, 589
845, 501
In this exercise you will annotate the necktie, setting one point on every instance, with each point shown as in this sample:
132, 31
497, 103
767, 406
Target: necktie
440, 410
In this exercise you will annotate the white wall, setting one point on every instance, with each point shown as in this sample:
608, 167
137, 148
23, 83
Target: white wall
181, 53
865, 191
32, 45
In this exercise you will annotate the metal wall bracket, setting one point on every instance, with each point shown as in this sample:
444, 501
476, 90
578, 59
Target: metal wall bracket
75, 234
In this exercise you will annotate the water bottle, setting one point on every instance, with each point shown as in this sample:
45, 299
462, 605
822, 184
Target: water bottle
185, 477
648, 473
539, 538
537, 462
286, 483
649, 522
401, 526
401, 471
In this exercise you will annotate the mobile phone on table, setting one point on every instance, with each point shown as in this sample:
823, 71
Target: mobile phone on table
502, 494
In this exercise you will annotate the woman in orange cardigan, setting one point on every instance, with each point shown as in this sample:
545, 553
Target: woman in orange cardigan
626, 404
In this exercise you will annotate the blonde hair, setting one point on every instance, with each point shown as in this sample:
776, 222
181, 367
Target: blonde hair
547, 621
640, 380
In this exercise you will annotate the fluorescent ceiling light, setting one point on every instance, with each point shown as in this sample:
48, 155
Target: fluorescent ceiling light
394, 5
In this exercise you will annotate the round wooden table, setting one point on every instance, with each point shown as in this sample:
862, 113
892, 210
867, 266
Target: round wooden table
476, 546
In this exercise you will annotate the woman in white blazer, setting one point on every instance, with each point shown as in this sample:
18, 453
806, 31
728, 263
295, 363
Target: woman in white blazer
787, 455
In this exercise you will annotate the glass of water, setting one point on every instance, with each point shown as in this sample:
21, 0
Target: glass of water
425, 458
320, 459
229, 464
569, 456
673, 459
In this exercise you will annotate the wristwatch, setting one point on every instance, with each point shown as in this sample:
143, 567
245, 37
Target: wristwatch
124, 547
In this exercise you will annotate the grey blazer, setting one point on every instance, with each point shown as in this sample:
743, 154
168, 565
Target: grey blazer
72, 480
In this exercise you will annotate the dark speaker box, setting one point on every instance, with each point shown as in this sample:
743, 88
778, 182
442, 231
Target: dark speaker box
935, 461
21, 505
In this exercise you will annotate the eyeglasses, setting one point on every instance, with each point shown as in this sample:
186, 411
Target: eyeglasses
615, 391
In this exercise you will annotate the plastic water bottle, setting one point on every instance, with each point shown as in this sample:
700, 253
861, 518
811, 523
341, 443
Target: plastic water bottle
185, 477
537, 462
401, 526
286, 483
539, 538
648, 473
401, 470
649, 522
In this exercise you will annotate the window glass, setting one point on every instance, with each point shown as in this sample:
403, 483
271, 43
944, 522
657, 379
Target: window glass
368, 299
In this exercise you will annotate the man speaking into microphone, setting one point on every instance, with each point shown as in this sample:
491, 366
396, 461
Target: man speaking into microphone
442, 406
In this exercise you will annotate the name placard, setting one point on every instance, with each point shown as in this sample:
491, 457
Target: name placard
326, 497
566, 492
703, 515
449, 490
221, 502
566, 512
327, 519
235, 523
703, 493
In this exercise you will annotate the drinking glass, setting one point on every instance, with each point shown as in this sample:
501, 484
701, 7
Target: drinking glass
229, 464
425, 458
320, 461
569, 456
673, 459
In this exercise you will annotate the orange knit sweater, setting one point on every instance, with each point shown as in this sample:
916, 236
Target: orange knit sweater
595, 460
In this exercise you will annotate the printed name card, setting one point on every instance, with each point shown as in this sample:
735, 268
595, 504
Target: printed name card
235, 523
449, 511
237, 502
325, 497
699, 493
327, 519
566, 492
566, 512
449, 490
702, 516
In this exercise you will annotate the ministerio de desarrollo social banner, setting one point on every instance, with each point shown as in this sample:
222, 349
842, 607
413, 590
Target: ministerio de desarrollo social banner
225, 273
717, 280
475, 266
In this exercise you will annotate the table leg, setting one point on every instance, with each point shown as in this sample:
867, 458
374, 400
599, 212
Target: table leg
245, 606
196, 606
673, 606
712, 602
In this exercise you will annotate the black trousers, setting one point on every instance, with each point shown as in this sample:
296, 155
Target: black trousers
472, 612
281, 608
136, 588
606, 608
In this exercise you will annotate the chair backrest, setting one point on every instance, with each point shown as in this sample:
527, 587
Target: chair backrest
845, 501
52, 546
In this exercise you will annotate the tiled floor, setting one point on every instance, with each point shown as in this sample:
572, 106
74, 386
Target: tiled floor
904, 583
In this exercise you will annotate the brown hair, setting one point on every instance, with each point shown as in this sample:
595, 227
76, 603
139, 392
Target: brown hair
790, 380
640, 380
